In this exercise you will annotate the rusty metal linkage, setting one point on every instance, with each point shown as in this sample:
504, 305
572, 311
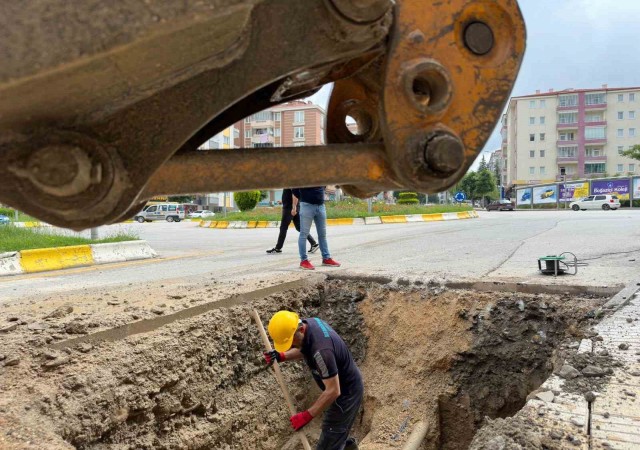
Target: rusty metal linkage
96, 120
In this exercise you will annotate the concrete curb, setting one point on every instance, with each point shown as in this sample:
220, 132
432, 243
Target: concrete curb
373, 220
30, 224
56, 258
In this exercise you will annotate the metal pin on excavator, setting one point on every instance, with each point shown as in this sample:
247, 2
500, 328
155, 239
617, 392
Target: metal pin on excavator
103, 107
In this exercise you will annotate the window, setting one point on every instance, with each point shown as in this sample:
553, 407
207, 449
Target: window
247, 133
263, 116
542, 153
594, 133
226, 140
632, 132
543, 103
632, 97
214, 144
151, 209
620, 132
595, 168
620, 115
620, 168
620, 149
532, 120
532, 170
277, 132
276, 116
632, 167
247, 119
532, 103
532, 137
542, 136
541, 120
543, 171
600, 197
593, 117
568, 117
532, 153
298, 132
567, 136
298, 144
568, 100
632, 115
620, 98
567, 152
595, 99
298, 117
594, 151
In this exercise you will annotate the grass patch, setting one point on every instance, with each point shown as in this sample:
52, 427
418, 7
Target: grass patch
339, 210
14, 239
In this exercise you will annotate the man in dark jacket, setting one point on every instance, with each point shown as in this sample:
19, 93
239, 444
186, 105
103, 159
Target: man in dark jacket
333, 370
287, 217
312, 210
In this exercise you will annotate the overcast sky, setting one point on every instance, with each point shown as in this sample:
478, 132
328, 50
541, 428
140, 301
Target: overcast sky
572, 44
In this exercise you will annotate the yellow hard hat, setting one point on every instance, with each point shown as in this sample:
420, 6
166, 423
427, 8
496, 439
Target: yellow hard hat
282, 327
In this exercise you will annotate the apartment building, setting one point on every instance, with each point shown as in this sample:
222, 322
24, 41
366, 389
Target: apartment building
574, 133
223, 140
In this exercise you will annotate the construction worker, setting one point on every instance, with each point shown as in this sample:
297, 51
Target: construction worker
333, 369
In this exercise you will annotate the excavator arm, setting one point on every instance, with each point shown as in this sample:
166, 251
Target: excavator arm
104, 104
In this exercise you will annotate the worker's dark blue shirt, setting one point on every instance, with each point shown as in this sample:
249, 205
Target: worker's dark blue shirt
327, 355
313, 195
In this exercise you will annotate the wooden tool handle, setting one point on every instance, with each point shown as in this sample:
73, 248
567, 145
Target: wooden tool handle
278, 373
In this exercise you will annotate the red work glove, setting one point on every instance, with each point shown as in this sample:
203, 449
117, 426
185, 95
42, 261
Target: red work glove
301, 419
272, 355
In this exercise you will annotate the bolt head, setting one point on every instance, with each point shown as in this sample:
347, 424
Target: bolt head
444, 154
478, 38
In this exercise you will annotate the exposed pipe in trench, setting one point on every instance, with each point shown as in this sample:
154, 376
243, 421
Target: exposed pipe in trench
417, 436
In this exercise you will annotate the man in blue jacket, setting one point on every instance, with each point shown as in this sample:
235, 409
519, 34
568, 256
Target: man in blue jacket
312, 210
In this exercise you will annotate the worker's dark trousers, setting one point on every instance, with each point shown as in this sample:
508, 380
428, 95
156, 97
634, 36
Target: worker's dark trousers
284, 226
338, 420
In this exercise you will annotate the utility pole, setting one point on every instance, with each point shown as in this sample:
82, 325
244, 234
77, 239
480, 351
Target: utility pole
369, 205
224, 205
94, 234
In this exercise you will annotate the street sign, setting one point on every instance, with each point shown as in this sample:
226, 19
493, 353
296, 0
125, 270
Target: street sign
460, 197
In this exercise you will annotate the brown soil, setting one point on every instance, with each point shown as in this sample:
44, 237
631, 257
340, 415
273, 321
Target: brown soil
447, 357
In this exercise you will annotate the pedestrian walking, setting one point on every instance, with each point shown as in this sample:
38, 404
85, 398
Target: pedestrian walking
333, 369
285, 221
312, 209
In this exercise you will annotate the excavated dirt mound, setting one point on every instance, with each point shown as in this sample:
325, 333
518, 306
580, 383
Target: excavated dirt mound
447, 357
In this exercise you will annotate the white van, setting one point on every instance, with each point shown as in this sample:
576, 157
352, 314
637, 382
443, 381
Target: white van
171, 212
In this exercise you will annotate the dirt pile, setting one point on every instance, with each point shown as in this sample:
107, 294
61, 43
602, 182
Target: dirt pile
447, 357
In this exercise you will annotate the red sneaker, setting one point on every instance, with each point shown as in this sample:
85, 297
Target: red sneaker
330, 262
306, 265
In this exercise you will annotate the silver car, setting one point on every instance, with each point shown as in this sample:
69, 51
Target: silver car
171, 212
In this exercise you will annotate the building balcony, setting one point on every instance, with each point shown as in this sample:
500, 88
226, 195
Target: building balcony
567, 108
567, 159
262, 139
601, 158
262, 124
595, 124
566, 143
595, 141
565, 126
596, 106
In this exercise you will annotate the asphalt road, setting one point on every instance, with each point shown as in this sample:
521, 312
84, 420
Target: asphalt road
498, 246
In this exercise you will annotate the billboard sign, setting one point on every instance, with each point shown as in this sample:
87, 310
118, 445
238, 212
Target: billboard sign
523, 196
636, 188
620, 187
570, 192
545, 194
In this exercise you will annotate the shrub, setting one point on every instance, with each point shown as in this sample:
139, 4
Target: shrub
408, 198
247, 200
6, 211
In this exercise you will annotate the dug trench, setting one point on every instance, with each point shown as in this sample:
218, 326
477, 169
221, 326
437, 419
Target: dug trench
446, 357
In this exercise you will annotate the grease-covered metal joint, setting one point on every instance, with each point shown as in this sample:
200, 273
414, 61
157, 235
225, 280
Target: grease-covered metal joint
444, 153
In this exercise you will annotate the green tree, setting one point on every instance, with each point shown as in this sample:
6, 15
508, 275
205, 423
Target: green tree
468, 185
633, 152
483, 164
247, 200
181, 198
486, 184
263, 195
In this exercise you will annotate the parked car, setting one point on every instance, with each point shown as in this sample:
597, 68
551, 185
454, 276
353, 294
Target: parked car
171, 212
605, 202
201, 214
501, 205
4, 220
